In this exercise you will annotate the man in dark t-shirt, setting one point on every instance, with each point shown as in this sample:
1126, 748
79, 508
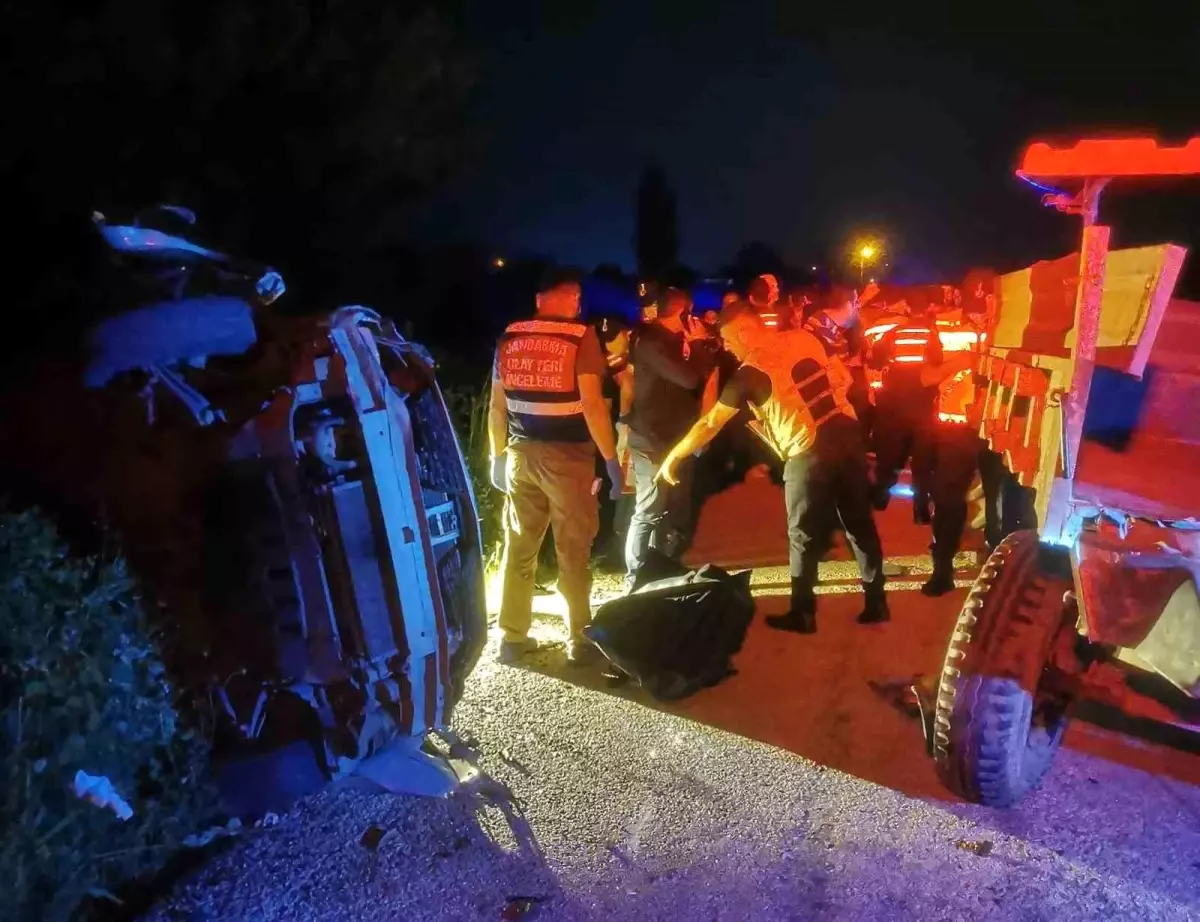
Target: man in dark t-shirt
671, 361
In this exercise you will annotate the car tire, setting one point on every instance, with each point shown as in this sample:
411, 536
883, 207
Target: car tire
998, 721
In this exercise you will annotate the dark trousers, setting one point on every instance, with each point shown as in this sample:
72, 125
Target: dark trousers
662, 514
1009, 506
903, 421
955, 457
859, 396
822, 489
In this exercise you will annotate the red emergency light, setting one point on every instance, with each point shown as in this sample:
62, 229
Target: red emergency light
1110, 158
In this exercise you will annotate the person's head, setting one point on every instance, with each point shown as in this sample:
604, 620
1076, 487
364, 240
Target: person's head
675, 302
558, 294
764, 292
741, 327
841, 306
614, 336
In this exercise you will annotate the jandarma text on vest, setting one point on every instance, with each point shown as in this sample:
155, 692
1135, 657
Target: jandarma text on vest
540, 344
537, 363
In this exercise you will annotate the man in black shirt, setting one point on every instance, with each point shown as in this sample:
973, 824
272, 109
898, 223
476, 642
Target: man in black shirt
671, 361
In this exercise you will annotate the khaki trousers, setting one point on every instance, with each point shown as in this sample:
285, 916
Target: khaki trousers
549, 485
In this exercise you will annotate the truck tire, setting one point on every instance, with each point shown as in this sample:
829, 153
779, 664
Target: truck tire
999, 717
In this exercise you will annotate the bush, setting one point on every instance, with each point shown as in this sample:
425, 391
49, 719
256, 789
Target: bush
468, 408
83, 687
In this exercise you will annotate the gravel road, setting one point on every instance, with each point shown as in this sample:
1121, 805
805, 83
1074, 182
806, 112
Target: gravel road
627, 812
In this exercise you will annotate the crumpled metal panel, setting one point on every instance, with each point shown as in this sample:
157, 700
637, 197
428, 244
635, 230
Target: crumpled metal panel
1124, 586
1172, 648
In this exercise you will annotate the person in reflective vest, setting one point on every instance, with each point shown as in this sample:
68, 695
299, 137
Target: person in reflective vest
837, 325
548, 417
954, 448
797, 394
906, 408
763, 297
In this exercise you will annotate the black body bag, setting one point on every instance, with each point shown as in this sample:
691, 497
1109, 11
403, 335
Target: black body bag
678, 630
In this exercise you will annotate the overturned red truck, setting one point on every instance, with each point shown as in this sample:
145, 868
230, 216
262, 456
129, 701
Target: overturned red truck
1091, 392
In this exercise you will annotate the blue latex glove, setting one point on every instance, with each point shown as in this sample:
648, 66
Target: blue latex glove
500, 473
616, 478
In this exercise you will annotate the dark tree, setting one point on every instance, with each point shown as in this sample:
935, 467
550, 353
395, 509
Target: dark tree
609, 272
755, 259
656, 237
298, 130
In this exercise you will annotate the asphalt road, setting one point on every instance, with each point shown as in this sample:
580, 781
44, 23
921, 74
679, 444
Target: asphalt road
797, 789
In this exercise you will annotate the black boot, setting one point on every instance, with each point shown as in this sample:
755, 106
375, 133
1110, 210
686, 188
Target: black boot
876, 609
940, 583
801, 618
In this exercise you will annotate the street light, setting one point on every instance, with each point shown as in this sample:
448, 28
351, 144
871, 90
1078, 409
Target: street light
865, 254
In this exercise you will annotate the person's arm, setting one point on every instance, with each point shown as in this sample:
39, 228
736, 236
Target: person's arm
625, 382
590, 369
712, 390
497, 419
497, 426
839, 375
934, 354
625, 407
879, 354
703, 432
596, 415
933, 375
740, 388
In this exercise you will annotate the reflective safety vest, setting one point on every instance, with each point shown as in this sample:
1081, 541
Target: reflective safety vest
958, 396
807, 390
910, 343
536, 364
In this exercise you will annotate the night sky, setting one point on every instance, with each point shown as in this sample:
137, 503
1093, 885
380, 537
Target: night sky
801, 128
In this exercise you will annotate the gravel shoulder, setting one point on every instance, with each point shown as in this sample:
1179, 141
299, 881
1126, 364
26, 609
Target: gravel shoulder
626, 812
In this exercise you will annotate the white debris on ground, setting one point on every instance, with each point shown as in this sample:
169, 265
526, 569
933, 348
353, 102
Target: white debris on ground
624, 812
99, 791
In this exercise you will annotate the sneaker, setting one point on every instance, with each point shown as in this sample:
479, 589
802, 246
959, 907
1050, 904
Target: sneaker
513, 650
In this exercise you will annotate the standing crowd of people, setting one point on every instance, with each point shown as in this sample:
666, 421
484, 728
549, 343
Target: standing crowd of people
840, 404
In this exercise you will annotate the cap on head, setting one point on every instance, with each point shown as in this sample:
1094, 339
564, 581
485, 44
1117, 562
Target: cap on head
609, 329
